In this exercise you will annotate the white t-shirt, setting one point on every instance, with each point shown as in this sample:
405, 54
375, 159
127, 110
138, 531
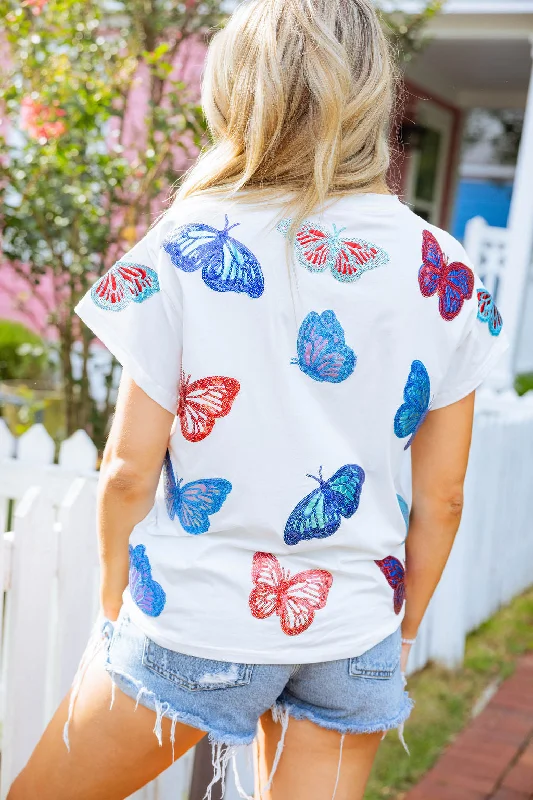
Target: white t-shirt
278, 531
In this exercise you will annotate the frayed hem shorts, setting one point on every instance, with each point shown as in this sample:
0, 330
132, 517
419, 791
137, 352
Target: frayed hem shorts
365, 694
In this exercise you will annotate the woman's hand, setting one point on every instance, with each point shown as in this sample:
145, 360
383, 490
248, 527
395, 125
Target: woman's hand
406, 649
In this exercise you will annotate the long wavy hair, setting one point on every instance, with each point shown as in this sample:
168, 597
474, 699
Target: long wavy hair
298, 96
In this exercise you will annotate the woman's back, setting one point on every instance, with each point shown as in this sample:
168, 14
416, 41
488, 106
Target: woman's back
299, 379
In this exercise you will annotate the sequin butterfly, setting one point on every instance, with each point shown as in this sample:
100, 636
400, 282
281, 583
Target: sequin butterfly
202, 402
147, 594
347, 258
415, 408
322, 352
195, 502
123, 284
454, 283
404, 508
227, 264
488, 312
294, 599
319, 515
394, 572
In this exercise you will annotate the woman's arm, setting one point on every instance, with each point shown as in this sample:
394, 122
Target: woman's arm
439, 460
129, 475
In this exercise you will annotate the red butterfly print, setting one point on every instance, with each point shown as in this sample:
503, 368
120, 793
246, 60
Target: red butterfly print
203, 402
394, 572
347, 259
123, 284
454, 283
294, 600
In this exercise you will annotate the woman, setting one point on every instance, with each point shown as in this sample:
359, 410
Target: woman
288, 329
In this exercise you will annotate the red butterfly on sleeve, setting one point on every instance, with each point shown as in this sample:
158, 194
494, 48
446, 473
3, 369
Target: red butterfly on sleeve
454, 283
295, 600
202, 402
123, 284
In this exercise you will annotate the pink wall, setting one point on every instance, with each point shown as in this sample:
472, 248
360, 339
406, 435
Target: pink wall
19, 302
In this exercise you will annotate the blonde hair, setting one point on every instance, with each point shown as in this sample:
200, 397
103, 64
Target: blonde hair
298, 96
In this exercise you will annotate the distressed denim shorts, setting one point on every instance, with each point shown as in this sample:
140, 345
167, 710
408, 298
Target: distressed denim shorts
365, 694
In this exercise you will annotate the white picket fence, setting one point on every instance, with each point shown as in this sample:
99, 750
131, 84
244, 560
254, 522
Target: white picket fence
49, 566
48, 561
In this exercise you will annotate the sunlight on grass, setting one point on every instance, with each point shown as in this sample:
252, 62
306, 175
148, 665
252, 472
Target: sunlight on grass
444, 700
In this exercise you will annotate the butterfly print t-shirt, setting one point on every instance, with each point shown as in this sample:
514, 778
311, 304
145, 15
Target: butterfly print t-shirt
300, 369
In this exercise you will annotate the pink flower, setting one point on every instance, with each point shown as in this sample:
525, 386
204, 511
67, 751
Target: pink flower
35, 5
41, 121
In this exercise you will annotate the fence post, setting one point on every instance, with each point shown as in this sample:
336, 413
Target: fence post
36, 446
77, 565
474, 235
78, 452
7, 448
28, 618
7, 441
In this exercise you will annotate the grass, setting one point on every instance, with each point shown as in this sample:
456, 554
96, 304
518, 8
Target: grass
445, 700
524, 383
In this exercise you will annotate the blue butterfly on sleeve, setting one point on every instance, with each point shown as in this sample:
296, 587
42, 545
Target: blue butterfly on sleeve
196, 501
322, 352
147, 594
415, 408
404, 508
319, 515
488, 312
227, 264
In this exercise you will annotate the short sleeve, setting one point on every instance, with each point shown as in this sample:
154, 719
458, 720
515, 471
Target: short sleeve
481, 346
135, 310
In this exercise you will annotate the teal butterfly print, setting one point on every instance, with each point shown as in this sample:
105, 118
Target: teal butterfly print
320, 514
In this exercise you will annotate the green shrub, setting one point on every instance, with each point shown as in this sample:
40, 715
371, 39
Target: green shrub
23, 354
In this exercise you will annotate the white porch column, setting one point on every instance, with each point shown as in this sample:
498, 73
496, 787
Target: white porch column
520, 251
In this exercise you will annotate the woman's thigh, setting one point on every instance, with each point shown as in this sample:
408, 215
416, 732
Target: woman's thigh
112, 752
311, 761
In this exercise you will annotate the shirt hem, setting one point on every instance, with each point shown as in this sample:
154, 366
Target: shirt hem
294, 655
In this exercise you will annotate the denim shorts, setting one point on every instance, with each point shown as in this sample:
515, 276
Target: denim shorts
364, 694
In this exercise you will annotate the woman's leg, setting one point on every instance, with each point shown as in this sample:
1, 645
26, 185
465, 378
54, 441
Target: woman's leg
309, 764
112, 752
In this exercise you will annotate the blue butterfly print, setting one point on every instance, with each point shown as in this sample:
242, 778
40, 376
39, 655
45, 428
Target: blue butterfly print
227, 264
196, 501
488, 312
322, 352
147, 594
416, 395
404, 508
319, 515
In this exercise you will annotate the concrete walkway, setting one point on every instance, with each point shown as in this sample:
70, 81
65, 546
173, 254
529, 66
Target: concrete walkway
492, 759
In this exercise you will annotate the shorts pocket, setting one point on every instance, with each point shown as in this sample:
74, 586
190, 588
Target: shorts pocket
380, 662
195, 674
